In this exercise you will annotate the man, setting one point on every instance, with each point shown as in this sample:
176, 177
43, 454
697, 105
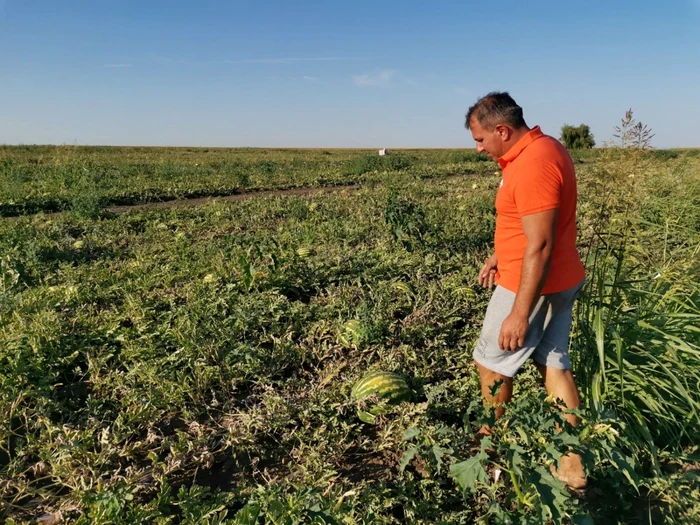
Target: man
535, 262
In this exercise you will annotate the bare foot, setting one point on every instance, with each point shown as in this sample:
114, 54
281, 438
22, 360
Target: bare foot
570, 471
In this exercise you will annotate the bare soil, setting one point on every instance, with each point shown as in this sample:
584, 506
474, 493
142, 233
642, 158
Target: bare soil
236, 197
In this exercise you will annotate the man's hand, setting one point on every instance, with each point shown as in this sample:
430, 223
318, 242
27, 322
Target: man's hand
513, 331
487, 275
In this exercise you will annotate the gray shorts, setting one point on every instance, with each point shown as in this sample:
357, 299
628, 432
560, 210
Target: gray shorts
547, 339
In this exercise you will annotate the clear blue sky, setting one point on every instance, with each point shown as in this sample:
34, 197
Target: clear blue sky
346, 74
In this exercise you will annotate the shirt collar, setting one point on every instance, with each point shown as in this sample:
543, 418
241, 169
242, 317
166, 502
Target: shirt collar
517, 148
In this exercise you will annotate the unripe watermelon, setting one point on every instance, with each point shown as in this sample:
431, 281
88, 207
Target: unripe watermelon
351, 333
303, 252
387, 387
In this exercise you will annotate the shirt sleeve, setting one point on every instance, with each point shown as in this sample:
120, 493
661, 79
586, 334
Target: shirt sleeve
538, 188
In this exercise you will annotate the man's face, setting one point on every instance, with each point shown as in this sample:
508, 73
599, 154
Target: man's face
489, 142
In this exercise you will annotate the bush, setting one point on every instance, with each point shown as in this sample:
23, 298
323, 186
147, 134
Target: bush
406, 220
397, 163
370, 163
469, 156
664, 154
579, 137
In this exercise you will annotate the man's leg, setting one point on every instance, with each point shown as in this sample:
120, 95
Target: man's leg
488, 379
489, 357
560, 384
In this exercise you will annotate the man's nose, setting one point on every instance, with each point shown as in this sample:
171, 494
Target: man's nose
479, 148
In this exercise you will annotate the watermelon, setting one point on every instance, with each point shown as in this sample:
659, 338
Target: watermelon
351, 333
303, 252
388, 388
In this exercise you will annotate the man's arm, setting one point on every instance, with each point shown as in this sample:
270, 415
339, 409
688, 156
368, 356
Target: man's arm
539, 230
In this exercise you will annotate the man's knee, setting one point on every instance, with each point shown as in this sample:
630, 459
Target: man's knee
489, 376
494, 384
554, 374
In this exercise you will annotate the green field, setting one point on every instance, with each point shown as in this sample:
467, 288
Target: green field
58, 178
194, 364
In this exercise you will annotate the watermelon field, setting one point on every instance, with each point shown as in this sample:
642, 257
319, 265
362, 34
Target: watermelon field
195, 363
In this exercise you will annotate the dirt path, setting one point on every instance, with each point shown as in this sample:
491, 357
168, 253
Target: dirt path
178, 203
236, 197
195, 201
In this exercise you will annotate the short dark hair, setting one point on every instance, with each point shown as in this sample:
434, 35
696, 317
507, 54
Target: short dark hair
493, 109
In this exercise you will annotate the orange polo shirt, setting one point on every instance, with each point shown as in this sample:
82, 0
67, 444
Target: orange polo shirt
538, 175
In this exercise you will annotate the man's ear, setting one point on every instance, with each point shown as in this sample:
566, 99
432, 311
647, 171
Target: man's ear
504, 131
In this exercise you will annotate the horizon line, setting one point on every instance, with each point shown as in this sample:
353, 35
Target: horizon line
22, 145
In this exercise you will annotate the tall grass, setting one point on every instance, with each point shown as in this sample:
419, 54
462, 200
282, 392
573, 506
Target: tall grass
637, 348
636, 344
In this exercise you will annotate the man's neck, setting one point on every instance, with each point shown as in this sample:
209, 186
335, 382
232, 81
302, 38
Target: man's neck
516, 136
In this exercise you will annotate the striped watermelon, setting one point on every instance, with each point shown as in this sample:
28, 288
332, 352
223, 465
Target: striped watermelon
385, 387
351, 333
303, 252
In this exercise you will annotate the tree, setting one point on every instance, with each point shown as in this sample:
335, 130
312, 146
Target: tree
577, 137
632, 134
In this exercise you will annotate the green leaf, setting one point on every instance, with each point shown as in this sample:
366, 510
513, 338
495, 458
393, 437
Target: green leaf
366, 417
438, 452
515, 462
597, 391
410, 433
566, 439
552, 451
319, 515
599, 327
486, 443
495, 387
248, 515
276, 509
407, 457
523, 435
552, 493
583, 519
468, 473
627, 470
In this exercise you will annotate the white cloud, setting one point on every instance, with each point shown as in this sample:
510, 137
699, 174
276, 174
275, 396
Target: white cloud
381, 78
117, 65
308, 78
